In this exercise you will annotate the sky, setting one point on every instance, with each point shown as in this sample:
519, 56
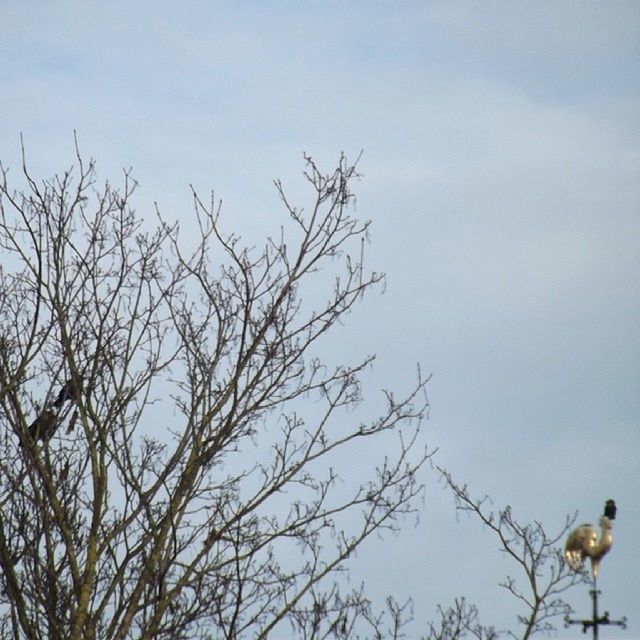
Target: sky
501, 172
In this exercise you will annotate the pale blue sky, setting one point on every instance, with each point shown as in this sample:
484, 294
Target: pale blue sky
502, 174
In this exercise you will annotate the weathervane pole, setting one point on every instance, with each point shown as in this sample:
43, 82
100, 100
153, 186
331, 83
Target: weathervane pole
594, 596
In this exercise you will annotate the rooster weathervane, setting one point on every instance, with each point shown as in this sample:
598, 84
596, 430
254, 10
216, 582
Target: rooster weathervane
583, 543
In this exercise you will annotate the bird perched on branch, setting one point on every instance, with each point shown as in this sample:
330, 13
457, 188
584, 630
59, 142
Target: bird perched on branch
69, 391
583, 542
44, 426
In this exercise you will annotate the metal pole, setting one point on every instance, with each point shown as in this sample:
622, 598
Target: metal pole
594, 595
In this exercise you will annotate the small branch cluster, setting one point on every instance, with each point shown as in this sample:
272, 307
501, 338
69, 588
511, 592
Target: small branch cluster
537, 555
460, 620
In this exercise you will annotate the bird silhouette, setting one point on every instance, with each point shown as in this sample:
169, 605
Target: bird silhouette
583, 542
69, 391
610, 509
47, 422
44, 426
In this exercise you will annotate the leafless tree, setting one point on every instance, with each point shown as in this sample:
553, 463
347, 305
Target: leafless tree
171, 442
538, 557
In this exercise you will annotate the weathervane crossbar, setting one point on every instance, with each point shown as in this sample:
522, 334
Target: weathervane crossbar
596, 620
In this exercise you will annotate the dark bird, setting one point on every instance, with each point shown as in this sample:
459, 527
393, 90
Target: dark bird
70, 391
44, 426
610, 509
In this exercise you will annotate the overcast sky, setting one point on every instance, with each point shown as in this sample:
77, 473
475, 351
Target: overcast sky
501, 171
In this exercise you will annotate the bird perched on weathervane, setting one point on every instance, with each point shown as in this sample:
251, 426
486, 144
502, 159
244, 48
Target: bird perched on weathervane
583, 542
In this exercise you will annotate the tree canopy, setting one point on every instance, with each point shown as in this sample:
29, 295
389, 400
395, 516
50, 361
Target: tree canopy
171, 436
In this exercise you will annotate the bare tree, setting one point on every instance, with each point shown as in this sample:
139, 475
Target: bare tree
171, 441
540, 562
